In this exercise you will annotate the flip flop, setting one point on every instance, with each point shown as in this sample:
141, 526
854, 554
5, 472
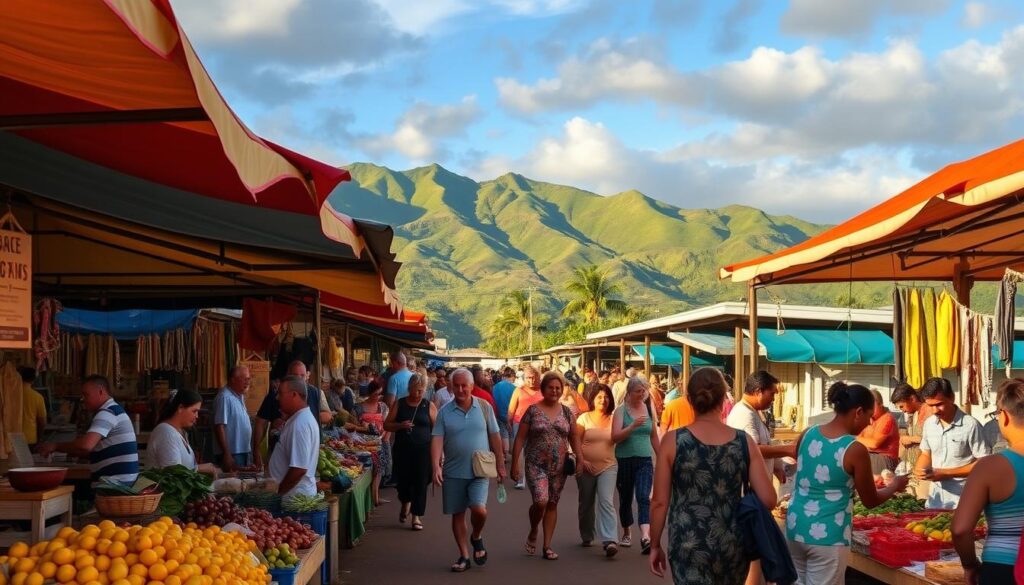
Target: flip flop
478, 547
645, 546
417, 526
461, 565
550, 555
531, 546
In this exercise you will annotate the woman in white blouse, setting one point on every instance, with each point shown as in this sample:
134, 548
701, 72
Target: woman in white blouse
167, 443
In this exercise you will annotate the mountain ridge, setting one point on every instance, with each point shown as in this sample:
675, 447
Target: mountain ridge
464, 244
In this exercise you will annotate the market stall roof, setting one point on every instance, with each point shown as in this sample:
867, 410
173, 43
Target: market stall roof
117, 84
128, 324
714, 343
825, 346
965, 219
666, 355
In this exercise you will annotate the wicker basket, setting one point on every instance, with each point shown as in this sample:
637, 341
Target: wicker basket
121, 506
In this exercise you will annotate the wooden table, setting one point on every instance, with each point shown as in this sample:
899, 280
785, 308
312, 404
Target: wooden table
872, 568
37, 507
309, 563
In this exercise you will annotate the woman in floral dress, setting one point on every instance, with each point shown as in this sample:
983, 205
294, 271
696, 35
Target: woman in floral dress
545, 429
698, 484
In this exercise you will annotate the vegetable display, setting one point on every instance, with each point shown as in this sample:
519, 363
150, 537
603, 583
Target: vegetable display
281, 557
898, 504
180, 486
268, 532
935, 528
304, 504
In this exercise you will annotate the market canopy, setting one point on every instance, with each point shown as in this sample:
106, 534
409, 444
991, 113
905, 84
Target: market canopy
826, 346
714, 343
964, 220
665, 355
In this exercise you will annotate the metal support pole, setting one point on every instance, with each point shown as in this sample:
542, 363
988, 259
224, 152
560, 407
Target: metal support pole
319, 369
647, 356
752, 303
622, 356
737, 374
350, 360
686, 363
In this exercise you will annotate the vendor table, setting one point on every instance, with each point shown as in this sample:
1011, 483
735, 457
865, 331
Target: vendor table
872, 568
309, 563
354, 508
37, 507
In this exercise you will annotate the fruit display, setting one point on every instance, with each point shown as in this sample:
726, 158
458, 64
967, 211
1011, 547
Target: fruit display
268, 532
161, 552
934, 528
327, 466
898, 504
281, 557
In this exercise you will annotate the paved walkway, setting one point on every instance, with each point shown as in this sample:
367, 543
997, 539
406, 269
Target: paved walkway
395, 555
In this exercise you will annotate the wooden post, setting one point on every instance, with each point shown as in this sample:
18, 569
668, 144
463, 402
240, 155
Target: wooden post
737, 374
318, 370
687, 353
647, 356
350, 360
752, 303
622, 356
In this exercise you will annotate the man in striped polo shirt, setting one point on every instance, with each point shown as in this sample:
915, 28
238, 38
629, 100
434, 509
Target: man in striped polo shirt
110, 441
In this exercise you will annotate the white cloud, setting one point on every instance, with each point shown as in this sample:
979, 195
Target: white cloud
977, 15
849, 18
419, 131
540, 7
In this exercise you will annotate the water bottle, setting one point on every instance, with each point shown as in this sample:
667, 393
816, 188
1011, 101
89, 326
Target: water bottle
502, 494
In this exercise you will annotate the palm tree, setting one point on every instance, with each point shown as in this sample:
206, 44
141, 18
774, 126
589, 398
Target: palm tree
593, 295
511, 326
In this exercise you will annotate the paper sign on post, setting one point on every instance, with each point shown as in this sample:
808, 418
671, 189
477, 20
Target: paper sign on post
15, 289
259, 369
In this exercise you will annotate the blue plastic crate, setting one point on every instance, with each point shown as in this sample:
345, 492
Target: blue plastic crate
284, 576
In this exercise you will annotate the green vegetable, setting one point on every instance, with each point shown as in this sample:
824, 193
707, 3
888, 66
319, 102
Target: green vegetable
898, 504
180, 486
302, 504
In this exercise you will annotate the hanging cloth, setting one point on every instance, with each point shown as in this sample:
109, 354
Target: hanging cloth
930, 347
947, 332
914, 356
897, 333
11, 393
261, 322
986, 327
1005, 315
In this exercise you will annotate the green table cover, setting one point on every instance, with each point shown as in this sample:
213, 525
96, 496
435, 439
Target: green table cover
354, 508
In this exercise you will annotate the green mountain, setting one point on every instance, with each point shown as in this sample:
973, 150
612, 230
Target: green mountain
465, 244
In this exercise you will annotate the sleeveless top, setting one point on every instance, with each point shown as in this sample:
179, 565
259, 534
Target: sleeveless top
420, 417
822, 506
1006, 519
638, 444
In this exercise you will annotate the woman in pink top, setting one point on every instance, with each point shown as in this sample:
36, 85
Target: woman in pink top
522, 399
882, 438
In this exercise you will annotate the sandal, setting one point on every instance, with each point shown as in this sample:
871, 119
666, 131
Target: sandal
645, 546
626, 541
462, 565
531, 546
610, 549
550, 555
478, 547
417, 525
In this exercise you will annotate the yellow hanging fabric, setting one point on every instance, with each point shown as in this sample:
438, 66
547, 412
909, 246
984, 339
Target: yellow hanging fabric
11, 393
913, 353
947, 332
930, 349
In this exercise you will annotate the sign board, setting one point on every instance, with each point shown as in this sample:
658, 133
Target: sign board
259, 369
16, 290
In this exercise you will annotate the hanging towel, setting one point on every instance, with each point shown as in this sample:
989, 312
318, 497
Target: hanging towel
914, 357
1004, 316
897, 333
930, 345
968, 371
985, 330
947, 325
11, 393
261, 322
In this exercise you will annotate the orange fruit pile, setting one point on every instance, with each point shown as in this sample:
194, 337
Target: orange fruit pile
161, 553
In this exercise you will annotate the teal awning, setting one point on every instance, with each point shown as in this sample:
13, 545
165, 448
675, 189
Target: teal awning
664, 355
1018, 356
827, 346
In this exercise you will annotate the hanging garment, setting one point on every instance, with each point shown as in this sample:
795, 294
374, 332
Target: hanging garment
947, 332
968, 366
914, 356
261, 322
931, 360
47, 332
897, 333
985, 331
11, 393
1004, 316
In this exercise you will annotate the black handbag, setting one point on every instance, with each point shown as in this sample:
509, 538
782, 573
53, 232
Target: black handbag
761, 535
569, 467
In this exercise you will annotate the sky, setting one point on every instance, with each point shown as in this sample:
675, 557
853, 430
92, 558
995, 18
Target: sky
811, 108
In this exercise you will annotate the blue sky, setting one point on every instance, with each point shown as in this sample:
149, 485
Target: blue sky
807, 107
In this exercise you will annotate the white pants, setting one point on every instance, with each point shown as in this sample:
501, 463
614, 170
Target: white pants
819, 565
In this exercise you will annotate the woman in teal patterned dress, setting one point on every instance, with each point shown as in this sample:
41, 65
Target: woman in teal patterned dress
697, 486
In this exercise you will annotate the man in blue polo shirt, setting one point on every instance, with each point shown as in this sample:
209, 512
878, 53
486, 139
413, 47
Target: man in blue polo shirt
463, 426
398, 381
231, 426
109, 443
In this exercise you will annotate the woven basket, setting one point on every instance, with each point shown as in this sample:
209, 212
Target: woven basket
120, 506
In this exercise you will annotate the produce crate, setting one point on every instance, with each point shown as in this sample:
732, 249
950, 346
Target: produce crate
880, 521
317, 521
897, 547
284, 576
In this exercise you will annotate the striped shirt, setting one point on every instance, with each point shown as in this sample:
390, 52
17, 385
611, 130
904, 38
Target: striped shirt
1006, 519
116, 456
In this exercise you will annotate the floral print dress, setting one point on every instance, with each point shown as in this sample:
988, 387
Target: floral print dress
546, 448
705, 545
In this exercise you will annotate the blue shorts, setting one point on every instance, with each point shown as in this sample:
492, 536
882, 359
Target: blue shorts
459, 494
503, 430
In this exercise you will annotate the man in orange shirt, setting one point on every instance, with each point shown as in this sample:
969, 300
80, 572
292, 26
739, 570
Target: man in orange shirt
677, 414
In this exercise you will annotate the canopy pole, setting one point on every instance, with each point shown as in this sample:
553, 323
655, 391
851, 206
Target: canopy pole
647, 356
622, 356
319, 339
350, 361
687, 353
962, 285
737, 374
752, 303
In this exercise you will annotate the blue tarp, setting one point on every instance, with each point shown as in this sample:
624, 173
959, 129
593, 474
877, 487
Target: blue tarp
827, 346
124, 324
1018, 355
664, 355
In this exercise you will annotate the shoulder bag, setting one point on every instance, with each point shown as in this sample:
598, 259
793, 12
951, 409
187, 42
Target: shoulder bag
569, 467
485, 464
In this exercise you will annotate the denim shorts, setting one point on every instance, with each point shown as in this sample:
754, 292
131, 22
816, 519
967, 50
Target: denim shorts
459, 494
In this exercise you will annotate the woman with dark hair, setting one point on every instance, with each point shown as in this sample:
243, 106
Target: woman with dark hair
167, 443
830, 465
411, 421
699, 481
636, 444
995, 486
881, 437
371, 414
598, 470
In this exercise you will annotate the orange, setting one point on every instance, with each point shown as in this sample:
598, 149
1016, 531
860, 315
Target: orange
140, 570
157, 538
66, 573
148, 557
117, 550
34, 578
172, 580
158, 572
24, 565
136, 580
160, 551
176, 555
86, 542
171, 566
56, 544
48, 570
67, 533
141, 543
118, 572
102, 563
91, 530
83, 562
103, 545
121, 582
19, 578
37, 549
87, 575
108, 533
106, 524
212, 571
121, 535
18, 550
131, 558
92, 583
154, 583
